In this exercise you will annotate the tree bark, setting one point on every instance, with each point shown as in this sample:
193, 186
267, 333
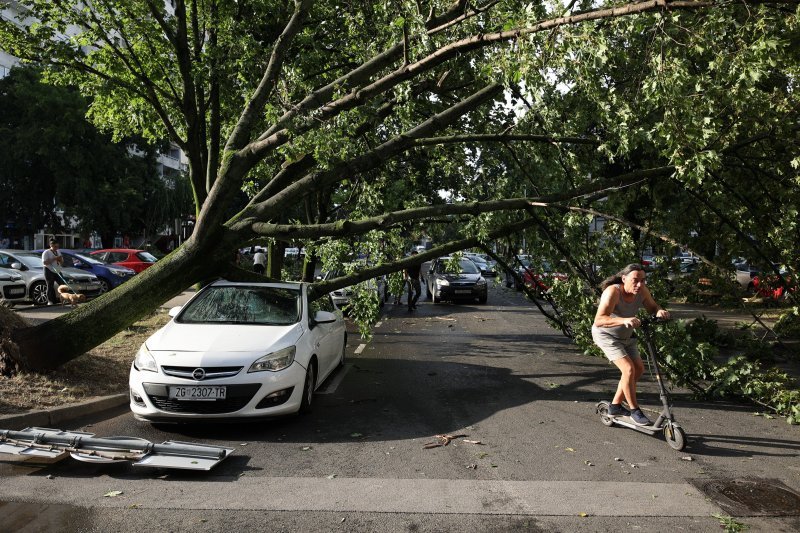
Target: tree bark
55, 342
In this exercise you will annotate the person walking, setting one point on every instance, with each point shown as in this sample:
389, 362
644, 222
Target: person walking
259, 262
412, 277
613, 332
52, 260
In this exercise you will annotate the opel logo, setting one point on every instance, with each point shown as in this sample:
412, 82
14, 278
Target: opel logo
198, 374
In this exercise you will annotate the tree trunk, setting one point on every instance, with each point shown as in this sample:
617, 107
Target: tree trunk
53, 343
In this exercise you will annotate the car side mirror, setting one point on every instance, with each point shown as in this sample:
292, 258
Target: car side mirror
16, 266
175, 310
318, 278
324, 317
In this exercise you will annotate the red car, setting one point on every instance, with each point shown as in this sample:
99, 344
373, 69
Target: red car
137, 260
541, 281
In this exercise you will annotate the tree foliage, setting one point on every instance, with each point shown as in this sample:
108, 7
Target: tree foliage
348, 124
56, 160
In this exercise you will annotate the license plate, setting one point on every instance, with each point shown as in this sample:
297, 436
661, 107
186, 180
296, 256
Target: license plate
16, 291
463, 291
197, 393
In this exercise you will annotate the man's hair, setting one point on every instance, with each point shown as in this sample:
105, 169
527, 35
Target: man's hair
53, 240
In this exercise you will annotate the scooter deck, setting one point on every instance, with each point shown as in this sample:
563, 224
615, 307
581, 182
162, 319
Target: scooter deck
628, 422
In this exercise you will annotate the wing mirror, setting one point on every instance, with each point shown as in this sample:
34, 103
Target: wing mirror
324, 317
175, 310
17, 266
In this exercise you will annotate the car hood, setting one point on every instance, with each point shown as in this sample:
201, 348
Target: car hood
188, 339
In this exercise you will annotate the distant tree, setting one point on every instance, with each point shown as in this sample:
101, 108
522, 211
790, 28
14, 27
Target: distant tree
54, 159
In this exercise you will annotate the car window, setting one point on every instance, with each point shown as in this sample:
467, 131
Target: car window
68, 261
147, 257
29, 260
243, 305
117, 257
5, 261
89, 259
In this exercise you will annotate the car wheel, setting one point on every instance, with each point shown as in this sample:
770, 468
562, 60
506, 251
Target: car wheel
428, 294
308, 387
483, 299
105, 286
39, 293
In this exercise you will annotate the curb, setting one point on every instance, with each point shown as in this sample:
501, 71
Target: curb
56, 416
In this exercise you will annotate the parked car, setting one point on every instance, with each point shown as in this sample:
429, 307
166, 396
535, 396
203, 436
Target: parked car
109, 275
136, 260
541, 281
12, 287
238, 350
451, 279
744, 275
341, 297
487, 270
768, 285
29, 266
520, 265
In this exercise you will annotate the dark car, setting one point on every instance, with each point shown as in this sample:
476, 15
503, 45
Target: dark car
109, 275
454, 279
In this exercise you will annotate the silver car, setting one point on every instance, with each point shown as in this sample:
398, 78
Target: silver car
12, 288
28, 265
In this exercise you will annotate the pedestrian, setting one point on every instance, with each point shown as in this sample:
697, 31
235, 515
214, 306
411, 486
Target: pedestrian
52, 260
613, 332
259, 262
412, 276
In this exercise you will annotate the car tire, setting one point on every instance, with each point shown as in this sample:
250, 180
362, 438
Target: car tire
39, 293
105, 286
308, 387
428, 294
483, 299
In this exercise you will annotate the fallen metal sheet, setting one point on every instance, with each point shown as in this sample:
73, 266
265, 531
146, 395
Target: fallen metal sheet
53, 443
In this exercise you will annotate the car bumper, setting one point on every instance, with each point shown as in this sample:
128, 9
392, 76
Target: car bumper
456, 293
248, 395
14, 293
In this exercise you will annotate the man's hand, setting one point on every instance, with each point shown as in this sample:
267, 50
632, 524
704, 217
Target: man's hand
663, 313
632, 322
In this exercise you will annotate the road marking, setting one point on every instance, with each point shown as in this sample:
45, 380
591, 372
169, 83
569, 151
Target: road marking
360, 348
377, 495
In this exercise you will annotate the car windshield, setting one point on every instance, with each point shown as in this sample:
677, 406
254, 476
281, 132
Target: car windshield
147, 257
88, 259
478, 260
30, 260
465, 266
243, 305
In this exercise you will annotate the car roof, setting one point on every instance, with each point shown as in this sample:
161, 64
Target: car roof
128, 250
278, 284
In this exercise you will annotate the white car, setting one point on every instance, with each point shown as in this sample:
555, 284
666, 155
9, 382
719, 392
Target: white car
238, 350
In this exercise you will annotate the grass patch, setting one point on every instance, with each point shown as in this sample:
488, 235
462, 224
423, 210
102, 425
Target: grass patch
99, 372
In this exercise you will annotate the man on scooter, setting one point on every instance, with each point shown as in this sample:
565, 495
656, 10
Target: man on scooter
623, 295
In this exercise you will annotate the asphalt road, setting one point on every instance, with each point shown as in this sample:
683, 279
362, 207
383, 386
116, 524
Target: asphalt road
494, 373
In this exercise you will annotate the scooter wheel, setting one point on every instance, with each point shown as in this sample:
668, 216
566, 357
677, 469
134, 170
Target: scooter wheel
602, 410
675, 436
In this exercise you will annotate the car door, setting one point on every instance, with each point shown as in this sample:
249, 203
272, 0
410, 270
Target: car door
325, 338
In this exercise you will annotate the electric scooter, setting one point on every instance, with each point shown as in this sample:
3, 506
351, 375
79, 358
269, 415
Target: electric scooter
673, 432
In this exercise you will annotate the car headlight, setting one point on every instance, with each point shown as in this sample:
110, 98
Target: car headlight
480, 283
144, 360
118, 271
442, 282
275, 361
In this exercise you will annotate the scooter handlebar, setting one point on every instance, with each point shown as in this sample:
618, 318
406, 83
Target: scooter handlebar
652, 320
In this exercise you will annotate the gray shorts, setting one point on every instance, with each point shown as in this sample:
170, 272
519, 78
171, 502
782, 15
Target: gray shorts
615, 348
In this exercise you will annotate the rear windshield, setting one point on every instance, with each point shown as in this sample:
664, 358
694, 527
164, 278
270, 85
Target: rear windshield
243, 305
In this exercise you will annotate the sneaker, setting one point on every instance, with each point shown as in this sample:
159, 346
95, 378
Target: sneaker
616, 409
639, 418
